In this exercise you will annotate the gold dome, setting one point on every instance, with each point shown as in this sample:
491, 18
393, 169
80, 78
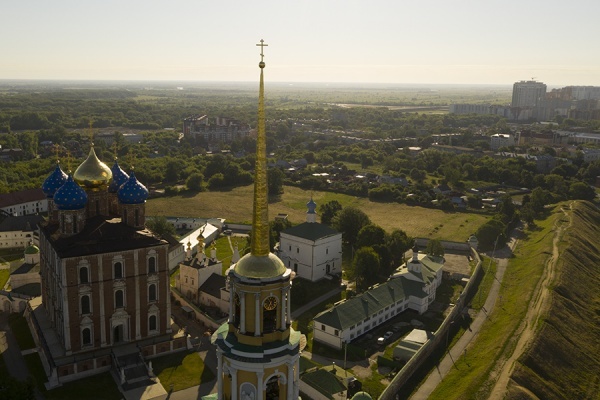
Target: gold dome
92, 173
258, 267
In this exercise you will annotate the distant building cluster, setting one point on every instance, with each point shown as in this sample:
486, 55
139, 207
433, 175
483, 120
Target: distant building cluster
532, 101
214, 130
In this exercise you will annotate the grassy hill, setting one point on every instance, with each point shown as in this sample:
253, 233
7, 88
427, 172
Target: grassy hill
236, 206
563, 362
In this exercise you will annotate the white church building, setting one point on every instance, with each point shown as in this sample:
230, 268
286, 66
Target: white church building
312, 250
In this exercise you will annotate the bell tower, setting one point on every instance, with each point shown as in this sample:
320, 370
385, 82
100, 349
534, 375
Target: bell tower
258, 352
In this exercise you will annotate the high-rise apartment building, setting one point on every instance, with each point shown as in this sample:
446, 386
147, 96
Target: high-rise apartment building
528, 93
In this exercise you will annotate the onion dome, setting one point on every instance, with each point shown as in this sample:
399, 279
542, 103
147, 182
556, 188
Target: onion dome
93, 174
32, 249
312, 206
55, 180
119, 177
70, 196
132, 191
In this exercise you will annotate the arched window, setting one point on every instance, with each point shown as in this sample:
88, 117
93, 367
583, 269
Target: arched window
85, 304
272, 391
86, 336
152, 292
118, 270
236, 312
152, 323
270, 314
151, 265
83, 275
119, 299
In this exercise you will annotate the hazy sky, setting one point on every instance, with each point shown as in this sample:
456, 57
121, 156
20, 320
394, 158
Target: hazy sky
395, 41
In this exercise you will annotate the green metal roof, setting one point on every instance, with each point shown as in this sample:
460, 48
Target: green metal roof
324, 381
311, 231
258, 267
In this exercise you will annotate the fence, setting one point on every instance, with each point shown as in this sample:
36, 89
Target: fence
439, 338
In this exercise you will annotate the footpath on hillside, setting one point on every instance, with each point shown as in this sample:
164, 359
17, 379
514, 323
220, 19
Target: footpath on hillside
460, 348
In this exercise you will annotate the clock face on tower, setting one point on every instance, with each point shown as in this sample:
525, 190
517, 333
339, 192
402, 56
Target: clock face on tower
270, 303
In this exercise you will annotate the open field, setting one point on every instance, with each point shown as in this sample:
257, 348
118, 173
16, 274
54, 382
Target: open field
236, 206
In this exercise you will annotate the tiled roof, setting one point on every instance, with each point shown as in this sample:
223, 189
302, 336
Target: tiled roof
24, 196
26, 223
311, 231
356, 309
324, 381
100, 235
213, 285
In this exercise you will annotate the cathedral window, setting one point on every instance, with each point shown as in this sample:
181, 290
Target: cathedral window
152, 292
119, 299
152, 326
152, 265
86, 337
236, 313
83, 275
85, 304
118, 267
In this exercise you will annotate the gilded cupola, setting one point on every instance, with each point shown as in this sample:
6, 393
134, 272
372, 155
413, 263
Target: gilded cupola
93, 174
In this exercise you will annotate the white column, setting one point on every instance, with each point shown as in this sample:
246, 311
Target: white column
242, 312
290, 381
282, 309
231, 300
102, 311
260, 395
167, 287
219, 374
296, 379
234, 384
289, 306
256, 314
65, 309
138, 330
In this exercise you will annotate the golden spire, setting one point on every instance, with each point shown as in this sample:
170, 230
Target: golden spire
260, 218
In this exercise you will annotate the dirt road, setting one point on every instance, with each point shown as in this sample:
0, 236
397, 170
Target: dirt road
539, 305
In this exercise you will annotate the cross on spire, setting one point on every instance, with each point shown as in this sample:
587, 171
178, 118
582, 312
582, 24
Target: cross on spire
262, 47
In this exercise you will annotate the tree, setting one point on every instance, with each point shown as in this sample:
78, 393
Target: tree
329, 210
173, 169
370, 235
581, 191
160, 226
275, 181
216, 181
398, 243
194, 182
366, 267
350, 221
435, 248
275, 228
488, 233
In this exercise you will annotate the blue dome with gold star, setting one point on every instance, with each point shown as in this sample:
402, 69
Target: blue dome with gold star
119, 177
55, 180
132, 191
70, 196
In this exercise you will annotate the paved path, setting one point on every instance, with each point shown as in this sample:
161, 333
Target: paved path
10, 351
460, 348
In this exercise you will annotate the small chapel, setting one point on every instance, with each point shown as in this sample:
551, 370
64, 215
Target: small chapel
258, 351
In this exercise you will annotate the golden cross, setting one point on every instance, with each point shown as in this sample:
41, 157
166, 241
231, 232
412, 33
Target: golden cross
91, 132
56, 149
116, 149
262, 46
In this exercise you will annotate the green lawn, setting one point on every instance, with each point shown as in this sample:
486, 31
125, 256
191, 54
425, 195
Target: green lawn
21, 331
182, 370
4, 275
415, 221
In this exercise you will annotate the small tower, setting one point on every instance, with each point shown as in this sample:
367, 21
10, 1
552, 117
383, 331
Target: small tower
52, 183
132, 197
70, 199
311, 214
94, 176
258, 352
119, 177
